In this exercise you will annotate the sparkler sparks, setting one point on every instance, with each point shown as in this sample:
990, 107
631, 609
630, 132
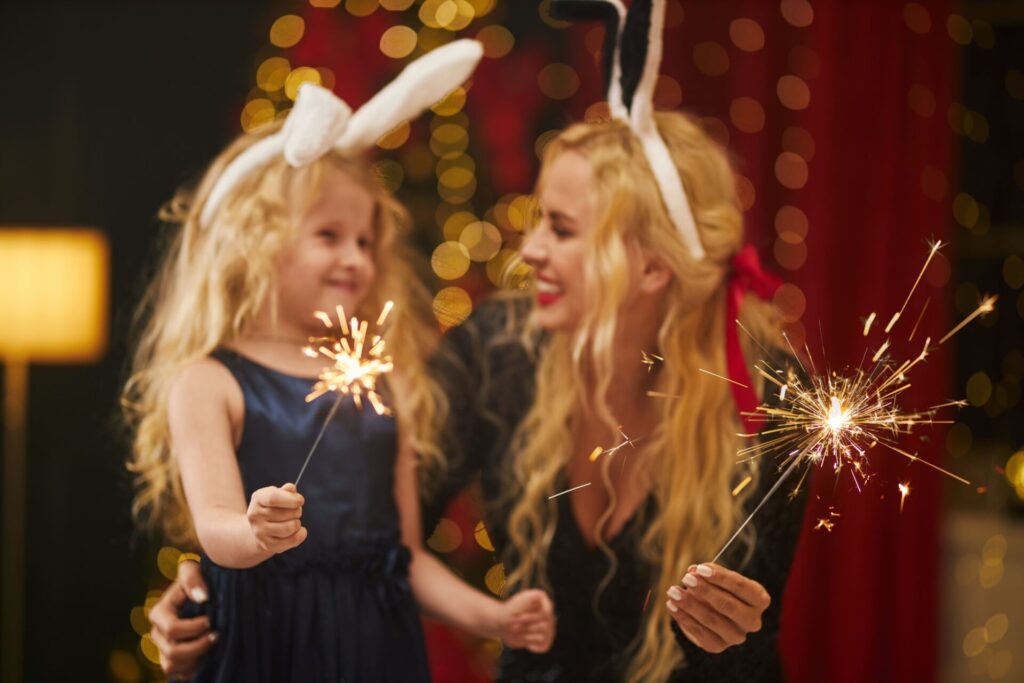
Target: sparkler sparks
837, 419
904, 492
351, 372
650, 360
742, 485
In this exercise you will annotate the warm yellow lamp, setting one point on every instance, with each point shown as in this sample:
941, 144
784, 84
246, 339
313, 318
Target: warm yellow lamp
53, 309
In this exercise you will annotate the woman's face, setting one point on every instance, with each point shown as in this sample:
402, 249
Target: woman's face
331, 260
555, 247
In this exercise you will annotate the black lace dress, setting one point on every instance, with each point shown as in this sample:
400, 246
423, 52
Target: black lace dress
489, 378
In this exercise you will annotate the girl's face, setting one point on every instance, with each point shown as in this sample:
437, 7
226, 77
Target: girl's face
331, 260
556, 246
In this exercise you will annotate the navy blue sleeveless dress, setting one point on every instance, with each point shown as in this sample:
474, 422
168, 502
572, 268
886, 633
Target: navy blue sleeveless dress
339, 606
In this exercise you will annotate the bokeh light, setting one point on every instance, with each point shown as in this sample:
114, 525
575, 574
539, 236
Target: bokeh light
452, 305
447, 537
303, 74
746, 34
272, 72
497, 40
558, 81
747, 114
793, 92
790, 301
395, 138
917, 18
798, 13
398, 42
287, 30
710, 58
482, 239
450, 260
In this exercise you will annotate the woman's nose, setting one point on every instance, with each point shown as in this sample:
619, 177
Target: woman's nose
534, 250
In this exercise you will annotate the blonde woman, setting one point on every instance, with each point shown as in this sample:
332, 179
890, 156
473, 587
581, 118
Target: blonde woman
538, 385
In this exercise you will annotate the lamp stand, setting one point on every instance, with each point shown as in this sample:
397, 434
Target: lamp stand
15, 402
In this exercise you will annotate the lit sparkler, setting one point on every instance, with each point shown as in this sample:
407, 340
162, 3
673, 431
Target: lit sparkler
355, 365
834, 419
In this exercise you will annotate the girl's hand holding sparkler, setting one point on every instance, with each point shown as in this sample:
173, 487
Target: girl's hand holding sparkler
527, 620
275, 516
716, 608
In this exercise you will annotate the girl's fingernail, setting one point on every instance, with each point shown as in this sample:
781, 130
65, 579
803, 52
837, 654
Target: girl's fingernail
690, 580
689, 570
198, 595
671, 607
212, 637
675, 593
704, 570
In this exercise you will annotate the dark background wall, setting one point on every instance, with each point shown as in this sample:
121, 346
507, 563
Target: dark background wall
107, 107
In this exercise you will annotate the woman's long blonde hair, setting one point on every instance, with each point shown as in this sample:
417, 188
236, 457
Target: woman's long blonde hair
690, 459
213, 280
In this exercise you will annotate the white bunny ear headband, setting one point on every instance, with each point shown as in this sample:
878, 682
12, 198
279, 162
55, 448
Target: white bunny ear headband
632, 57
320, 121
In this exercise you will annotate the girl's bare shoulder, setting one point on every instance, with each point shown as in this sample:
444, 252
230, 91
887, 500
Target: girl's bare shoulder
203, 384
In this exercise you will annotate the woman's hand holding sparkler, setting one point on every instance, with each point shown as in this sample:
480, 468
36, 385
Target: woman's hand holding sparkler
275, 517
716, 608
527, 620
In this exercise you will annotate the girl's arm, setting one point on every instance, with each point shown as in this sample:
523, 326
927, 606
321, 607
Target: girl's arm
525, 620
204, 412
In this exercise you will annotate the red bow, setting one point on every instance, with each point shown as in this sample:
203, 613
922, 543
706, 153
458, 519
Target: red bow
746, 276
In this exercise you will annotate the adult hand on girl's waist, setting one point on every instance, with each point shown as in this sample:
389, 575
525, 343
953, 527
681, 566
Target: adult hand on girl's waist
182, 642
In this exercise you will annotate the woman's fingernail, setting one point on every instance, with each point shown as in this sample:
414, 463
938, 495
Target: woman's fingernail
671, 607
212, 637
689, 570
675, 593
690, 580
198, 595
704, 570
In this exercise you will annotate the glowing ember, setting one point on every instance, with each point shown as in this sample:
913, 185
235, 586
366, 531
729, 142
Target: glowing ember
904, 492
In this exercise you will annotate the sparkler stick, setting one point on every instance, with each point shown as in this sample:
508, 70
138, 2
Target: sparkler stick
795, 460
323, 428
350, 373
574, 488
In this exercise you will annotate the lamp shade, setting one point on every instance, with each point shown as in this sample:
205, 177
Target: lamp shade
54, 301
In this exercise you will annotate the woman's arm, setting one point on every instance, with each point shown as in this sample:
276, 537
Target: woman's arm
525, 620
204, 411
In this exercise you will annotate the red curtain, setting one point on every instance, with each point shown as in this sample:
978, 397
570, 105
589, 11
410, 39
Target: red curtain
836, 113
840, 118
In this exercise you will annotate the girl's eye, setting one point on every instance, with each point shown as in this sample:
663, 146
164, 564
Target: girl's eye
327, 234
365, 242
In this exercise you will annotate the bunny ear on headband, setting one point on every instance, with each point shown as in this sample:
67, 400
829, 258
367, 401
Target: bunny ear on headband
632, 58
320, 121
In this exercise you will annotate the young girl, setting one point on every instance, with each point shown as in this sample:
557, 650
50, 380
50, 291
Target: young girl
309, 584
